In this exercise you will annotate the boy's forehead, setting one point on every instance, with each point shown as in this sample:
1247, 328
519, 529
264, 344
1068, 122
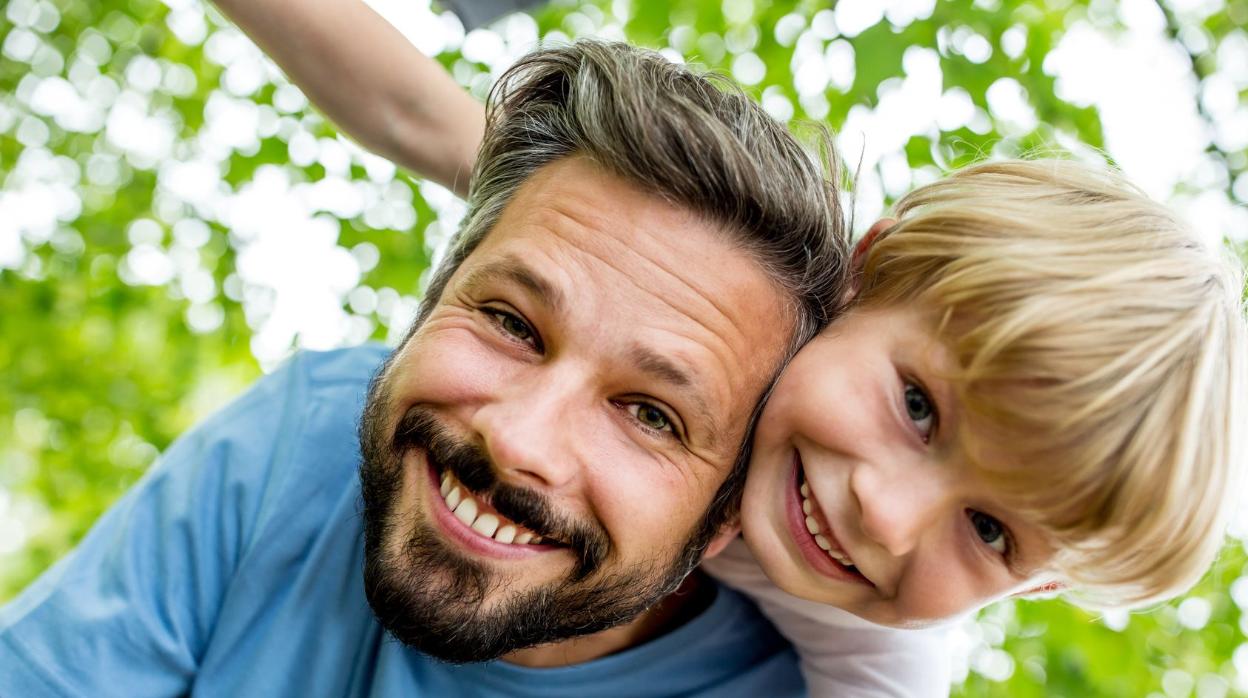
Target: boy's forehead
914, 331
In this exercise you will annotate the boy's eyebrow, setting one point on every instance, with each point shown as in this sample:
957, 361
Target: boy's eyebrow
512, 269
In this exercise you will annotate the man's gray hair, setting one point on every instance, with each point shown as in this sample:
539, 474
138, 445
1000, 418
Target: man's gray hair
697, 141
694, 139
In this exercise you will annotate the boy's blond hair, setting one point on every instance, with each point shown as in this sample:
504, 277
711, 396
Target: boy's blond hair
1100, 354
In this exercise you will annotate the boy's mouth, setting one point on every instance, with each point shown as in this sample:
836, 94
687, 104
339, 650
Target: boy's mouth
814, 533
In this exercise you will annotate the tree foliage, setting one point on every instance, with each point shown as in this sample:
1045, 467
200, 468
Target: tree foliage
175, 218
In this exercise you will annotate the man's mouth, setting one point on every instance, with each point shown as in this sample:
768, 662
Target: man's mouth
476, 513
815, 535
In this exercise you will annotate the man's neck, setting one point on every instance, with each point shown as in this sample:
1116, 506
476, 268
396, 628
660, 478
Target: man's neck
677, 608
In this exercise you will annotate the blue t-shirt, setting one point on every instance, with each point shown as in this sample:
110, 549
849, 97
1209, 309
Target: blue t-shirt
233, 568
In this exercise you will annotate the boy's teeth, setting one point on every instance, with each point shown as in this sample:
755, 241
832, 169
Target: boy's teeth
821, 540
467, 510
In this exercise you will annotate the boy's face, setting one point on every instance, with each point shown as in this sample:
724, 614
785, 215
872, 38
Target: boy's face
859, 444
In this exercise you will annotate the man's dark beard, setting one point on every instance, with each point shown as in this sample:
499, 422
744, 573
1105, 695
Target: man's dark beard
430, 596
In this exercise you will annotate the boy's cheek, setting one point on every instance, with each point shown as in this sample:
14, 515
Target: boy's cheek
938, 592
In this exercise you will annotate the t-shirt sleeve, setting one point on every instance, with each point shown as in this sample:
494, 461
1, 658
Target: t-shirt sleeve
841, 654
130, 610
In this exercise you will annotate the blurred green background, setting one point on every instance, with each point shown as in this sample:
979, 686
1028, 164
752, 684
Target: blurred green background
175, 219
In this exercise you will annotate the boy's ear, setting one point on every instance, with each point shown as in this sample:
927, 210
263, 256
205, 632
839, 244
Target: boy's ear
721, 540
1041, 590
864, 245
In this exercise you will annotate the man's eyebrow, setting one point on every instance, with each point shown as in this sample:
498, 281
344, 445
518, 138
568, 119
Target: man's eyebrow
512, 269
664, 369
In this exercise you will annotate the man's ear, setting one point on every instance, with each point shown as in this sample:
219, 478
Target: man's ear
1046, 589
864, 245
721, 540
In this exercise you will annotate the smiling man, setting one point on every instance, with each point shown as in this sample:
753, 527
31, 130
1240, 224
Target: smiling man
598, 444
543, 460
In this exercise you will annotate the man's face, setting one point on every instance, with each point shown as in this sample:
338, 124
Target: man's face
540, 454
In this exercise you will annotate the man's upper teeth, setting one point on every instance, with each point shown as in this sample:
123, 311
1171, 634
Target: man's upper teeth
468, 510
486, 525
505, 534
812, 525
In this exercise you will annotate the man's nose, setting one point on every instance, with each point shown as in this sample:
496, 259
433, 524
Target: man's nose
529, 433
898, 505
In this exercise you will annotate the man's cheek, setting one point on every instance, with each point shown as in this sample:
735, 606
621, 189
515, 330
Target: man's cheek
453, 365
651, 516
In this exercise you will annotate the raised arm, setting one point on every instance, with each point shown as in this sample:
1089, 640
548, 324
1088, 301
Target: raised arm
370, 81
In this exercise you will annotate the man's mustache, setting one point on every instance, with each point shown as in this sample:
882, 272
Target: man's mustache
468, 462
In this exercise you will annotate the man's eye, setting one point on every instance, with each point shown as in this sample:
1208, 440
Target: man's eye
651, 416
516, 327
512, 325
920, 410
990, 531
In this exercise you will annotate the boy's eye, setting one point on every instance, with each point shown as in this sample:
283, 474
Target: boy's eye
989, 530
920, 410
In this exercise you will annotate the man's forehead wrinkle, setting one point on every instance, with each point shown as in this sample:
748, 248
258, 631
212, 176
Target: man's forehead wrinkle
511, 268
588, 223
585, 238
690, 282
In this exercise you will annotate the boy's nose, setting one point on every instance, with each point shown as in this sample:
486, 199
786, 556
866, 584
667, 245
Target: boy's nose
897, 505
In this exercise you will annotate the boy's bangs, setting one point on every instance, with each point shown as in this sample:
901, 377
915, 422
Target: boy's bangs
1123, 499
